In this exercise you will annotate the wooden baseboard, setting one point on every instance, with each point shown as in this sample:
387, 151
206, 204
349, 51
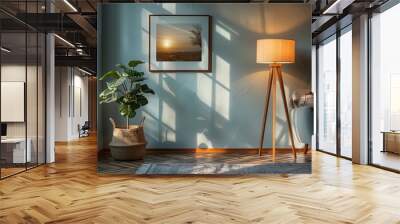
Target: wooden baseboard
217, 150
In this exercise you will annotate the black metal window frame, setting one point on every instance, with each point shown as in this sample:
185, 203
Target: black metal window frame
334, 37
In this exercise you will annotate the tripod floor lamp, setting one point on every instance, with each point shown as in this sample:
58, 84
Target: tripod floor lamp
275, 52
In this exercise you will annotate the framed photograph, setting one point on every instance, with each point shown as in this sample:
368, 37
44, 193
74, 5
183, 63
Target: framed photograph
180, 43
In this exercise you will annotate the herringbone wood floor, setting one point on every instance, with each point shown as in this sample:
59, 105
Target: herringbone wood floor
70, 191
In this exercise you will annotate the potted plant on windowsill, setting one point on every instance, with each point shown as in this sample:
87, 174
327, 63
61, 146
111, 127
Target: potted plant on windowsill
125, 88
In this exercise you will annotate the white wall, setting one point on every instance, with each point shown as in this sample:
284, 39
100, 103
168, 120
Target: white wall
33, 126
17, 73
61, 103
71, 102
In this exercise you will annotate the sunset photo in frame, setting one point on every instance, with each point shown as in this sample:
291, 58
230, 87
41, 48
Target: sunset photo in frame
180, 43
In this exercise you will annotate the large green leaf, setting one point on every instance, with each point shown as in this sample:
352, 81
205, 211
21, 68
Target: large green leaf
120, 100
121, 66
116, 83
124, 110
135, 90
127, 73
134, 63
111, 74
139, 74
128, 98
142, 100
107, 92
132, 73
127, 111
137, 79
146, 89
134, 105
108, 99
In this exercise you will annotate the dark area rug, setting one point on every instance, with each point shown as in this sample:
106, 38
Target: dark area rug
222, 169
207, 164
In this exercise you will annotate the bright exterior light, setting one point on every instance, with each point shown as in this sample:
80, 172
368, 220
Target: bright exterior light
64, 40
84, 71
337, 7
5, 50
70, 5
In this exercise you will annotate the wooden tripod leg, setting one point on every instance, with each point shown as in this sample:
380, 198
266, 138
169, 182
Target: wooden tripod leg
264, 121
282, 87
273, 131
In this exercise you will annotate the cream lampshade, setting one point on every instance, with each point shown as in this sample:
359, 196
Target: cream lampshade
275, 51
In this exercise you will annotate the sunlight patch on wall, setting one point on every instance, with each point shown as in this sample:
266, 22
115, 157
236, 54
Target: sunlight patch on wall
145, 48
145, 31
222, 93
170, 75
203, 141
145, 21
223, 72
227, 28
222, 102
281, 131
165, 86
151, 125
204, 89
170, 7
223, 32
152, 108
168, 116
168, 135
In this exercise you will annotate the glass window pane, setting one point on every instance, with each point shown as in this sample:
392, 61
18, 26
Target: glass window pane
385, 89
32, 88
346, 94
23, 90
327, 96
31, 97
14, 153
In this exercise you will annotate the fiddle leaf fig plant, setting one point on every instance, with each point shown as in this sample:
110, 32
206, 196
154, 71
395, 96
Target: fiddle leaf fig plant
125, 87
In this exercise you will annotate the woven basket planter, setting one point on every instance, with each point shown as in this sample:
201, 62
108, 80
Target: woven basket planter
128, 144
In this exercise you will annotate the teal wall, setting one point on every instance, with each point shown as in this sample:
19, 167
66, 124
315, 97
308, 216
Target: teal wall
222, 109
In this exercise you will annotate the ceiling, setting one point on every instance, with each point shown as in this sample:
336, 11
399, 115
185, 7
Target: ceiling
75, 22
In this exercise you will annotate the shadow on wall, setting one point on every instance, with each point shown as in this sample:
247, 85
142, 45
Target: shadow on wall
221, 109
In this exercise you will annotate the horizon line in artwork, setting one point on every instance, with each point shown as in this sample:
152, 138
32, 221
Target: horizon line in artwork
178, 42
